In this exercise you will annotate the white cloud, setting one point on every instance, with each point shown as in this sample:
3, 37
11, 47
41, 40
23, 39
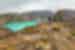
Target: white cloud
70, 4
29, 5
33, 6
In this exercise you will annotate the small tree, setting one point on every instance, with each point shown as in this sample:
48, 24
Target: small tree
58, 16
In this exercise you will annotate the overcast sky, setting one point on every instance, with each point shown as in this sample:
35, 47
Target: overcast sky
29, 5
69, 4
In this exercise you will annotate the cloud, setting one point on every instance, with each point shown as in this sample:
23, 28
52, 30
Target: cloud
33, 6
28, 5
41, 5
70, 4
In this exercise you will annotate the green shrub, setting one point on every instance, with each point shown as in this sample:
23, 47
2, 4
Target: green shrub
73, 33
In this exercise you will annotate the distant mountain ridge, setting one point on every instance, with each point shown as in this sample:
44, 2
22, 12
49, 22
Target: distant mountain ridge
39, 13
68, 14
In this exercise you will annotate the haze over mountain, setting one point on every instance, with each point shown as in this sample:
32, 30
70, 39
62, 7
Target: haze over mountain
29, 5
69, 14
39, 13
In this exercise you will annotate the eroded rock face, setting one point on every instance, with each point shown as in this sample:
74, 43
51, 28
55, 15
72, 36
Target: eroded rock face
60, 37
57, 39
4, 33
